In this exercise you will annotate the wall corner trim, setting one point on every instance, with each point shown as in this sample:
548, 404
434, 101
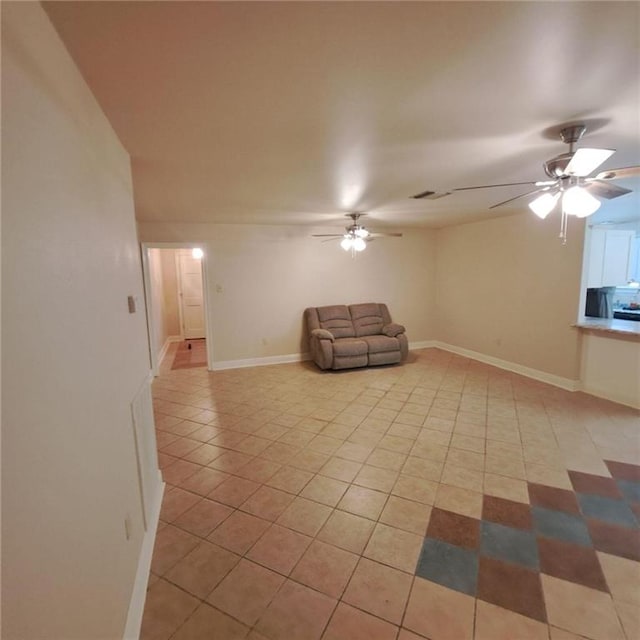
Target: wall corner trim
139, 593
542, 376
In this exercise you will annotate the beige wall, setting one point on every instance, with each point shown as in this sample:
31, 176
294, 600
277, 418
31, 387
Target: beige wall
171, 314
509, 289
73, 357
261, 278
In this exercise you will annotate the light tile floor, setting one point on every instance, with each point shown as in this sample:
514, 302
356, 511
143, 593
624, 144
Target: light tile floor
440, 499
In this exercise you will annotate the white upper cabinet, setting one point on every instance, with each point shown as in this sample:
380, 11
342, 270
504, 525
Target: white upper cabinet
610, 257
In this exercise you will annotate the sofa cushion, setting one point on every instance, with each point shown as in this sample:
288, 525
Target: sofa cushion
392, 329
336, 319
367, 319
379, 344
350, 347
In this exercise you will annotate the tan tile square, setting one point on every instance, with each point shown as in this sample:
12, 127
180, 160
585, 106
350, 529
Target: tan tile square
462, 477
423, 468
466, 459
204, 454
467, 443
394, 547
325, 444
175, 502
376, 478
396, 443
339, 469
417, 489
553, 477
431, 437
354, 452
171, 544
267, 503
507, 488
629, 615
308, 460
622, 576
561, 634
305, 516
258, 470
230, 462
279, 452
204, 481
179, 470
202, 569
462, 501
279, 549
296, 613
166, 609
496, 623
346, 531
378, 589
387, 459
203, 518
424, 449
290, 480
325, 568
406, 514
505, 466
206, 618
252, 445
363, 502
239, 532
181, 447
348, 622
580, 610
234, 491
439, 613
246, 591
296, 438
271, 431
325, 490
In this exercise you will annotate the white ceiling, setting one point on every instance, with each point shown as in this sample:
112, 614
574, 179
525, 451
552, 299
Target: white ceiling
298, 112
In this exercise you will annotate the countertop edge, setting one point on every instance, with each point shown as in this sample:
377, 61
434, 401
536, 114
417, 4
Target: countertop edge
618, 328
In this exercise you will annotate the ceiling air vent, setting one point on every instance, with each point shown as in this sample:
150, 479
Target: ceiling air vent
431, 195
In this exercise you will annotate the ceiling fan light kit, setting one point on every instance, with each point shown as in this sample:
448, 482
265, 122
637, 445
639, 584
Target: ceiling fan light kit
356, 237
569, 183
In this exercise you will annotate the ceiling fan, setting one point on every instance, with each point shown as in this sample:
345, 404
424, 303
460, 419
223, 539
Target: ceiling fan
569, 182
356, 236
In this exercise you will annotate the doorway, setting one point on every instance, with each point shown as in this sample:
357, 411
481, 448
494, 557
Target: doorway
175, 284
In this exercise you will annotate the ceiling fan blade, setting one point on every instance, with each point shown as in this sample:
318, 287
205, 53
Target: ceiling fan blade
605, 189
585, 160
522, 195
382, 234
327, 235
489, 186
617, 174
331, 239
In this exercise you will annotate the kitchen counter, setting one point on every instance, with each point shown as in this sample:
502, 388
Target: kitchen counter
620, 328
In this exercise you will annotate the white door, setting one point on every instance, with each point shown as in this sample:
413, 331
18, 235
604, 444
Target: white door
190, 292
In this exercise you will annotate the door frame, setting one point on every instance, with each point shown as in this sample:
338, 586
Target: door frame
180, 292
146, 277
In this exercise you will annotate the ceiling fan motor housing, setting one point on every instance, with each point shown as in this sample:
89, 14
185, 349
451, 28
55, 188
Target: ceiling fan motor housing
556, 167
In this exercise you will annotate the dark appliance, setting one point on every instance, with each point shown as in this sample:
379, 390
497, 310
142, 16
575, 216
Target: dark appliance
600, 302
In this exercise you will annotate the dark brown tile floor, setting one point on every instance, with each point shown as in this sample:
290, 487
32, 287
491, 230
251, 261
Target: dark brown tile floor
440, 499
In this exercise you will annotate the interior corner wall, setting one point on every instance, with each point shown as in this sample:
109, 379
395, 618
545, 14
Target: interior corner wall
509, 289
261, 278
73, 357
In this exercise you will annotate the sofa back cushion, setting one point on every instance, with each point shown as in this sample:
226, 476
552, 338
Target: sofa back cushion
336, 318
368, 318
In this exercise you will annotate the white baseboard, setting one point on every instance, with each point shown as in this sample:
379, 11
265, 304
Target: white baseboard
139, 594
166, 345
535, 374
612, 396
259, 362
424, 344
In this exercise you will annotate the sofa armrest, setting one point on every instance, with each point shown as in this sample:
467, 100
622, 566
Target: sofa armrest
393, 329
322, 334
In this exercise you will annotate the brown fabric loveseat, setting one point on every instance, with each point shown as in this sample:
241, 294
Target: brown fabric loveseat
358, 335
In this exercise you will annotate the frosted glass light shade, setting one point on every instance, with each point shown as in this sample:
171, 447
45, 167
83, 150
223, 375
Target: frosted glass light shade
346, 243
579, 202
543, 205
359, 244
197, 253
